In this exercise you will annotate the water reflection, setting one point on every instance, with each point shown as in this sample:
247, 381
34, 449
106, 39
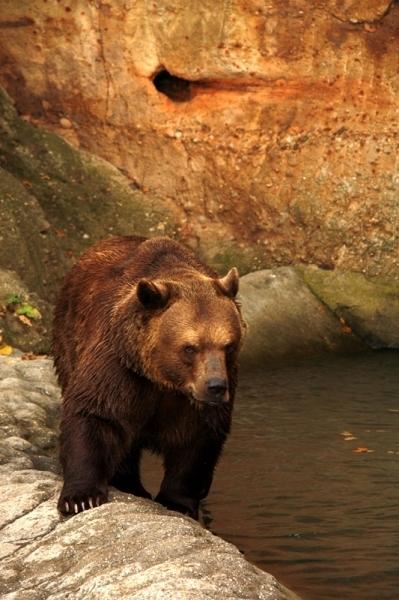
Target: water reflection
308, 486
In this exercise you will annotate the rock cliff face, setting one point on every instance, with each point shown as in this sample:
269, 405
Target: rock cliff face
268, 128
54, 202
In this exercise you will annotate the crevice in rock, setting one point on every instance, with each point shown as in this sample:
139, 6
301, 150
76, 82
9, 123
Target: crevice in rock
34, 538
107, 72
23, 513
22, 22
175, 88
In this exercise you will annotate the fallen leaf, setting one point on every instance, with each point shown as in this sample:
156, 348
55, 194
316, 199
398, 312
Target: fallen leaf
25, 320
29, 356
346, 329
5, 350
32, 356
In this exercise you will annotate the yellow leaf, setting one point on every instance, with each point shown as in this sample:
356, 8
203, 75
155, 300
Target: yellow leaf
5, 350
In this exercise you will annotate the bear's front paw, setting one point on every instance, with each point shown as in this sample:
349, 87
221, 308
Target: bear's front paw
75, 500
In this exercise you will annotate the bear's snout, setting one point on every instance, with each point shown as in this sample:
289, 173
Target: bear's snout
211, 385
213, 392
216, 388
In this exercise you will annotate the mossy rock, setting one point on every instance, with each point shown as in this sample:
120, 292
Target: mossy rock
369, 306
56, 201
27, 244
222, 255
25, 318
285, 320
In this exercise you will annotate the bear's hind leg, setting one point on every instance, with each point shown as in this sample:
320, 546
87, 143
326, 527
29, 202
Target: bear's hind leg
188, 476
90, 448
127, 476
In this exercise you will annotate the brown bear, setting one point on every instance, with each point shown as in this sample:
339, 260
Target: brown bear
146, 339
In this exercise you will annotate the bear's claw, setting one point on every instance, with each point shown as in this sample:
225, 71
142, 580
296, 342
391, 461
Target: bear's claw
76, 502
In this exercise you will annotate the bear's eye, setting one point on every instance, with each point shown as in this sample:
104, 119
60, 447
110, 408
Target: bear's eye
230, 348
190, 350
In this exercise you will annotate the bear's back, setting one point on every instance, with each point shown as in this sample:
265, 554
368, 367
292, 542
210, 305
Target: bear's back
82, 308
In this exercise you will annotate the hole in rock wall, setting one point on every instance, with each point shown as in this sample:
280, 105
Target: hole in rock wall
175, 88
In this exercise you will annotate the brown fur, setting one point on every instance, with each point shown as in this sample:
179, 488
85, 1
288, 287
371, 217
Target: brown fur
142, 331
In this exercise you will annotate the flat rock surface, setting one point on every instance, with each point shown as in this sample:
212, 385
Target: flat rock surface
129, 548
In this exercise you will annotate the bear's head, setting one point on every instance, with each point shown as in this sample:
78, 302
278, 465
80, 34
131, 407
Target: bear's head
189, 335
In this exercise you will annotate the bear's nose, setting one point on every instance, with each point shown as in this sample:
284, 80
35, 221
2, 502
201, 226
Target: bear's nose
216, 386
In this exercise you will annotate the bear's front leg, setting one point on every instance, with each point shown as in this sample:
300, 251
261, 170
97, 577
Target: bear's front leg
127, 475
188, 476
90, 447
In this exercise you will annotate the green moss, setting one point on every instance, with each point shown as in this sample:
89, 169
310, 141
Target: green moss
83, 195
348, 288
13, 299
56, 201
27, 310
224, 256
369, 306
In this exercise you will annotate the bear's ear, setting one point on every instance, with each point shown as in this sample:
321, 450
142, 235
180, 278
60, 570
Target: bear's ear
152, 294
229, 283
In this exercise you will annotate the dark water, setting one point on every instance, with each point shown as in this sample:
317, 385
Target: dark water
299, 497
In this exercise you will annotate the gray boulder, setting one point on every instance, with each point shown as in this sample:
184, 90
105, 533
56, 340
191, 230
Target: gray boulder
285, 319
129, 548
370, 306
